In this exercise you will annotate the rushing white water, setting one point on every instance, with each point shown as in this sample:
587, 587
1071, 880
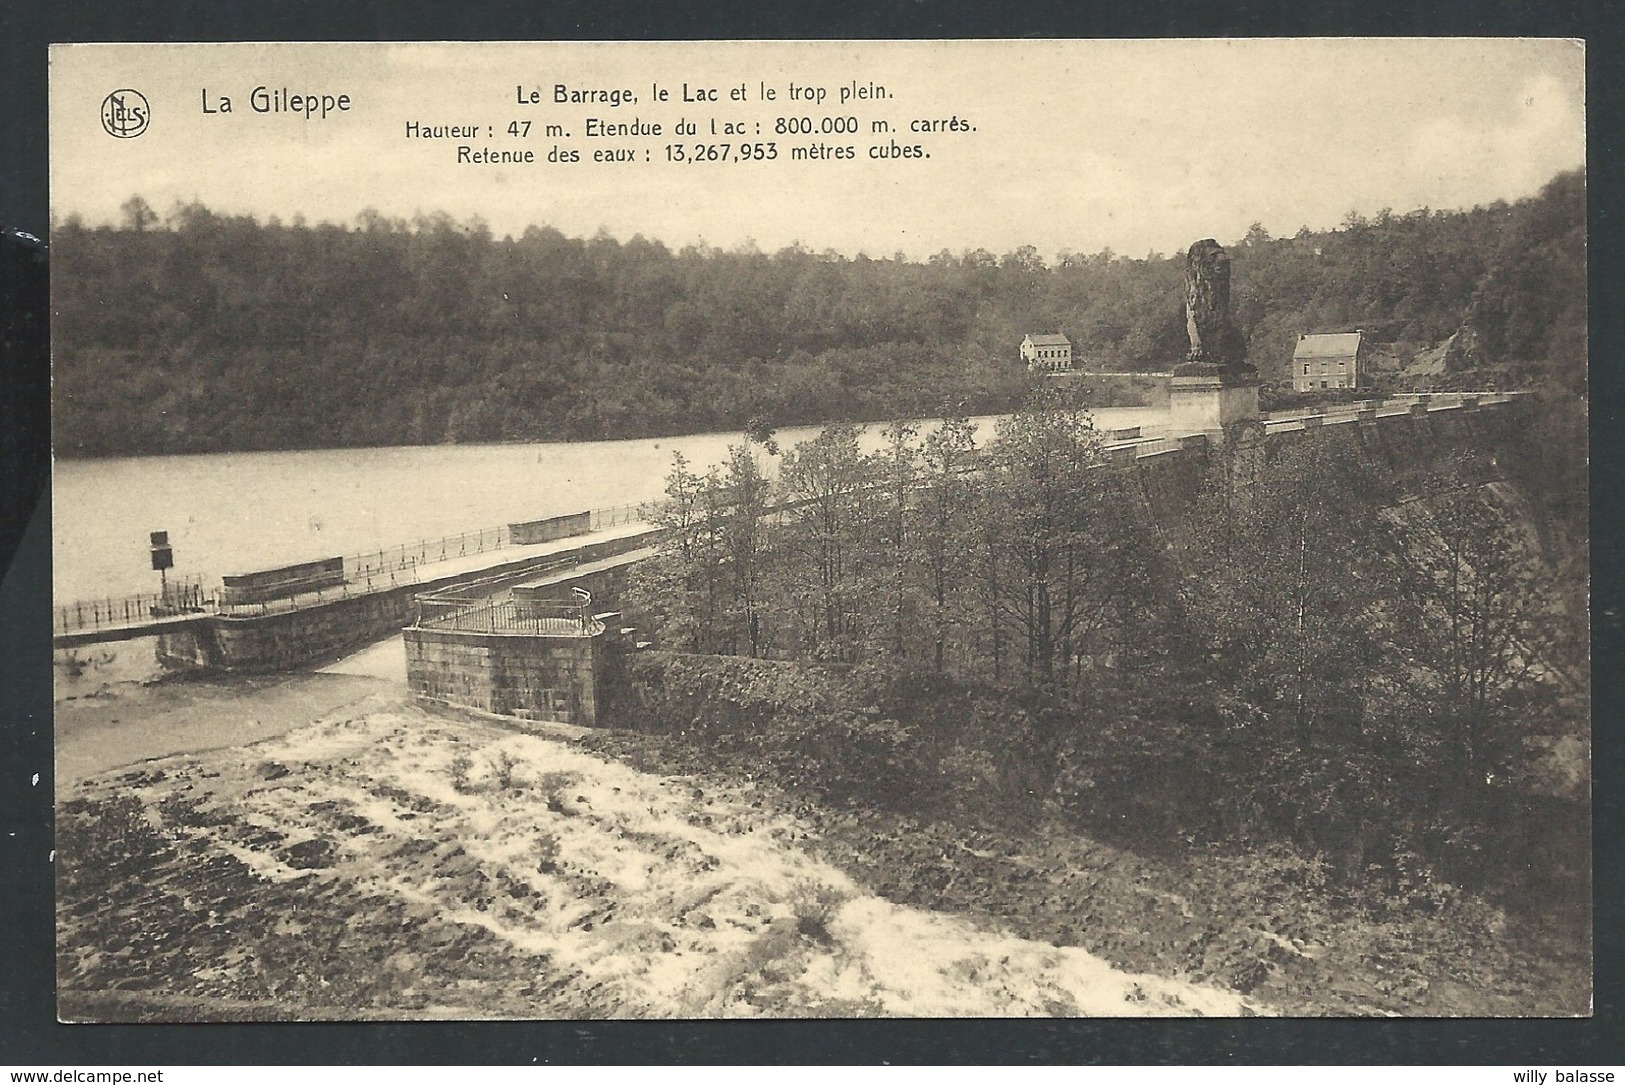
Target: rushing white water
241, 511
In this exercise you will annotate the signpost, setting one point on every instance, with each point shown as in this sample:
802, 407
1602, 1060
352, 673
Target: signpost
163, 559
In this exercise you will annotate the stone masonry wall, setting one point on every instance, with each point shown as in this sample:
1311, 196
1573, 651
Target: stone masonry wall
280, 641
554, 527
541, 678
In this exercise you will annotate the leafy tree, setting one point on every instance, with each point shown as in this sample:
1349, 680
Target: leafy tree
748, 498
826, 483
138, 214
1040, 547
679, 589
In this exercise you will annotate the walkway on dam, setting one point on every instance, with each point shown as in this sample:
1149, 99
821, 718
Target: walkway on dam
93, 622
143, 616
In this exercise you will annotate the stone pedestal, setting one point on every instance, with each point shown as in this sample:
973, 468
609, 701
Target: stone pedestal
1205, 402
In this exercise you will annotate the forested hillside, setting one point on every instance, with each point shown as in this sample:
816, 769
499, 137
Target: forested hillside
194, 331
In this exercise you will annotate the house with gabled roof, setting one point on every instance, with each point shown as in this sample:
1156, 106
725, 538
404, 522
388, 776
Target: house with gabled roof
1327, 361
1046, 353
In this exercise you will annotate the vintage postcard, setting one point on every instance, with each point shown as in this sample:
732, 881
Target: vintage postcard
820, 529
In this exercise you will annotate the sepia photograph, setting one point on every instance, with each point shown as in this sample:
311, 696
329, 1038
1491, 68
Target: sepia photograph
821, 529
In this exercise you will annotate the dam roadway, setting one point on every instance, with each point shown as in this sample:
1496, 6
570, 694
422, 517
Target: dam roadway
203, 627
292, 630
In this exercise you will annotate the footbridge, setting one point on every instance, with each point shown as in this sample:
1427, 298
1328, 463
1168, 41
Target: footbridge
278, 618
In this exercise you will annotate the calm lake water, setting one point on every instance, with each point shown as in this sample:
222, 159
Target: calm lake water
242, 511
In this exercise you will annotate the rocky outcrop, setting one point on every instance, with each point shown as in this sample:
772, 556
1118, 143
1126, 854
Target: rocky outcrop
1461, 351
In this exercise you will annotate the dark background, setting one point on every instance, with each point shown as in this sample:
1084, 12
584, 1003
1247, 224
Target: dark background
28, 1032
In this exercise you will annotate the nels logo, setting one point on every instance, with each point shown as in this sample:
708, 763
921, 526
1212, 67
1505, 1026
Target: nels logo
125, 113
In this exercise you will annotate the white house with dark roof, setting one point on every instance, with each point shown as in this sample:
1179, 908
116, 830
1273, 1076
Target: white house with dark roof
1046, 353
1326, 361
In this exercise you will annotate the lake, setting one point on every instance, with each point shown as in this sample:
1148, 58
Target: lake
241, 511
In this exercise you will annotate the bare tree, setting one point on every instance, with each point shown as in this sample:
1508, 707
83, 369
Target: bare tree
898, 467
1486, 616
946, 516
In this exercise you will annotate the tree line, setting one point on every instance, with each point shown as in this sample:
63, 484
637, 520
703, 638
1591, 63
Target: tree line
198, 331
1361, 654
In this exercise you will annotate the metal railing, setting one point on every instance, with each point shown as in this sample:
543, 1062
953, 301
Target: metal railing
179, 598
315, 597
616, 515
535, 618
480, 590
375, 570
426, 551
449, 547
